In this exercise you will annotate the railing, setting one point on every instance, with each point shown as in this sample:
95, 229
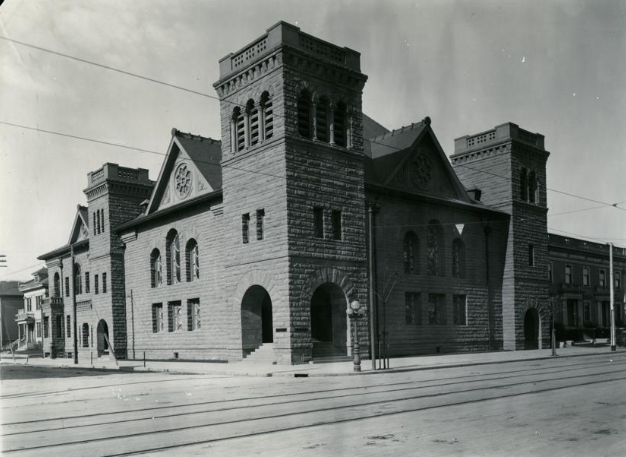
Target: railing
482, 138
10, 346
571, 288
54, 301
24, 315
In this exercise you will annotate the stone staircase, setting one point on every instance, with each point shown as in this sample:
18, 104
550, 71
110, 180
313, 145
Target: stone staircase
262, 354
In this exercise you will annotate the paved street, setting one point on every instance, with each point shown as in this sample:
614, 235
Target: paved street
555, 407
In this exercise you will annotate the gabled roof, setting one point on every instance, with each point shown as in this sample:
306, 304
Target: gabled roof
387, 154
205, 154
371, 128
81, 220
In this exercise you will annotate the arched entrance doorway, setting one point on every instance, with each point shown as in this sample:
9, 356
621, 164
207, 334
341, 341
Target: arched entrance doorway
531, 329
329, 330
103, 338
256, 319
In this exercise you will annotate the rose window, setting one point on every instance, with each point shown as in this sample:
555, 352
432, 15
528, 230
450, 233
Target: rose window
182, 178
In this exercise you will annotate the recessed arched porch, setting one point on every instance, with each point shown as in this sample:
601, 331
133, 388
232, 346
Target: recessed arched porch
329, 329
103, 338
257, 327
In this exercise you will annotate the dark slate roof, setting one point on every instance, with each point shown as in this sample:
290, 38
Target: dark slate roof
206, 154
384, 152
396, 140
371, 128
10, 288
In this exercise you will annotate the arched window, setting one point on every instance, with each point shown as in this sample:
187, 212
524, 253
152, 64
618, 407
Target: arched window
321, 120
156, 275
305, 127
523, 184
340, 124
193, 260
57, 285
435, 244
237, 137
173, 257
411, 253
532, 187
252, 132
85, 335
267, 121
78, 284
458, 258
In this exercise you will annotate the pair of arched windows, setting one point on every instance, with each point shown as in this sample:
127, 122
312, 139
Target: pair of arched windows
252, 124
173, 261
323, 120
529, 186
434, 253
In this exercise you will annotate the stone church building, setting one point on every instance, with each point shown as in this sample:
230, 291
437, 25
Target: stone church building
253, 246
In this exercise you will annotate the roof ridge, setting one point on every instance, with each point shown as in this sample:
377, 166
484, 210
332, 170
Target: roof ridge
191, 136
425, 121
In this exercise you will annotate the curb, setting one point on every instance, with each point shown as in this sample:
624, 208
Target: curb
296, 374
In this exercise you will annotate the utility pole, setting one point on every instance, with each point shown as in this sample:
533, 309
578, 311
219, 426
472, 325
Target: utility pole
612, 289
373, 301
74, 313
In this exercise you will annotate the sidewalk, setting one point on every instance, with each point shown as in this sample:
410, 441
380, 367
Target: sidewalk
320, 369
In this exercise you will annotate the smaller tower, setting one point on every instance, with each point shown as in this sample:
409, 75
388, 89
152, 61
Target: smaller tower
508, 165
114, 196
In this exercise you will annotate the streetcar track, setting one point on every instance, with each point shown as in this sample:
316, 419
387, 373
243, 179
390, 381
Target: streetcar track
345, 420
327, 409
366, 390
70, 391
67, 391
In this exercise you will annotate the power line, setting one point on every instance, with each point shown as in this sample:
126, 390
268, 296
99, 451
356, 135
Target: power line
149, 151
613, 205
23, 269
577, 211
107, 67
174, 86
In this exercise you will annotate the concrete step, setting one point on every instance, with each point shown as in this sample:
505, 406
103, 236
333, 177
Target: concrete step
262, 354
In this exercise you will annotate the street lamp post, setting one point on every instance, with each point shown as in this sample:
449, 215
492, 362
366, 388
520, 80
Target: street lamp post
354, 312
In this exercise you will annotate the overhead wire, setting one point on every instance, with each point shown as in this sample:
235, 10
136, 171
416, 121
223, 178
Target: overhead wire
175, 86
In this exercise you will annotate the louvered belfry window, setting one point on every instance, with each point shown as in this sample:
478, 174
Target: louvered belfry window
253, 122
304, 114
321, 120
340, 124
268, 116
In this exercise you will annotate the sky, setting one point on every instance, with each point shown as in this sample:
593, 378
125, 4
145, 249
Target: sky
556, 67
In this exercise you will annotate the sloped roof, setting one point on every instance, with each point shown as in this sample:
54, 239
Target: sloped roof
206, 154
371, 128
396, 140
387, 150
10, 288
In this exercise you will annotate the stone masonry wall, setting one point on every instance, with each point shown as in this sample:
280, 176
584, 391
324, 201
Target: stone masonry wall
393, 220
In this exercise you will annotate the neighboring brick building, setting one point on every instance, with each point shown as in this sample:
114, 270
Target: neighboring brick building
254, 245
579, 281
86, 310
